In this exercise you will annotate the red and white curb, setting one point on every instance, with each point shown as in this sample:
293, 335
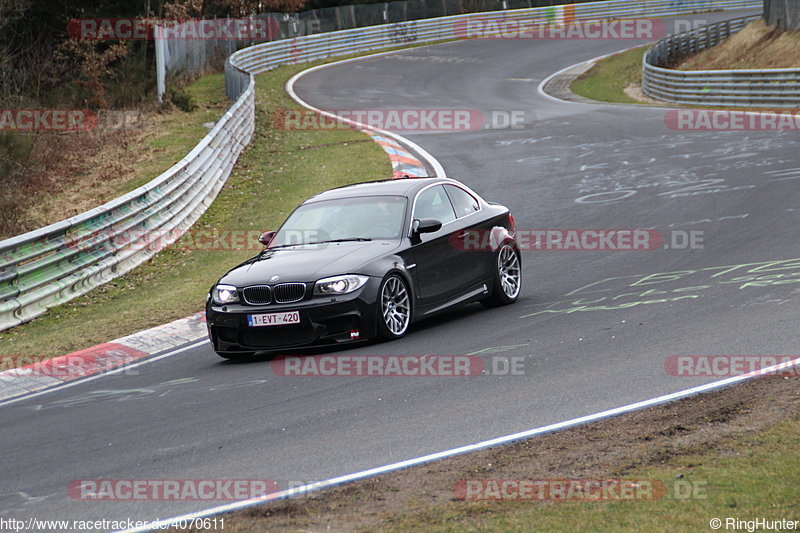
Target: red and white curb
404, 163
101, 358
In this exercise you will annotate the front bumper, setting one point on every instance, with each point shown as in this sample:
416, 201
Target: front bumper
323, 321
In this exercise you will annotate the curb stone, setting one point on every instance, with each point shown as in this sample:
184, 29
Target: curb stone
102, 357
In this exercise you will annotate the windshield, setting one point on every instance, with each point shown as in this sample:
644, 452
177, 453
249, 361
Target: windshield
362, 218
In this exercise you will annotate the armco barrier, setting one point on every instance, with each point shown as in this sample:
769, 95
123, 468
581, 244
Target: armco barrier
263, 57
739, 87
53, 264
56, 263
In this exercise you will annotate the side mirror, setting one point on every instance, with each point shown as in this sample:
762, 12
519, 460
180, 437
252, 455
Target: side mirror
426, 225
266, 237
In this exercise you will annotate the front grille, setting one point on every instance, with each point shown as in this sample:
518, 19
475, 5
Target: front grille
277, 336
287, 293
257, 294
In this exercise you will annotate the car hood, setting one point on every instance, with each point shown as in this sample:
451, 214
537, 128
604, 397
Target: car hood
307, 263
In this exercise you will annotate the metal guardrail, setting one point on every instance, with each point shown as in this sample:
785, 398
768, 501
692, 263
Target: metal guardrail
263, 57
56, 263
738, 87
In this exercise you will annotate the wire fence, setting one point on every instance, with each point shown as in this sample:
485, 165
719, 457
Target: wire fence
178, 59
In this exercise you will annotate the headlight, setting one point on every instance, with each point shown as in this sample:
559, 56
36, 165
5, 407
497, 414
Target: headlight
224, 294
340, 284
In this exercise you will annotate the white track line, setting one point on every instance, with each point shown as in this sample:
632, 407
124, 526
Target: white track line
187, 518
93, 377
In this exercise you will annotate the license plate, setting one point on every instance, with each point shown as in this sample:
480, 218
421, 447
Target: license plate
274, 319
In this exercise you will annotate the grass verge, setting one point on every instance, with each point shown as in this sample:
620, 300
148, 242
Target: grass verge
751, 478
608, 79
67, 174
176, 133
729, 453
617, 78
755, 477
277, 170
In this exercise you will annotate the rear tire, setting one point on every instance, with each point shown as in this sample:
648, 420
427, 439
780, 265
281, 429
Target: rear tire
393, 308
507, 282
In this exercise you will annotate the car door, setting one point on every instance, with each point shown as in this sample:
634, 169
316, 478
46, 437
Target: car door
437, 272
473, 260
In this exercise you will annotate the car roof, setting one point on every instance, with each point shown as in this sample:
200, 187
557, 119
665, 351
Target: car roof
388, 187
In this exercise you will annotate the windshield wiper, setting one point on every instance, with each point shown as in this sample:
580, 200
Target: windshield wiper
351, 239
268, 248
358, 239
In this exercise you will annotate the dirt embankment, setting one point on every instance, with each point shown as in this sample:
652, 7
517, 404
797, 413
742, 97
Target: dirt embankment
618, 446
755, 46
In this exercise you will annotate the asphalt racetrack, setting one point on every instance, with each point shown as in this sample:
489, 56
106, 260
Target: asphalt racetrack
593, 328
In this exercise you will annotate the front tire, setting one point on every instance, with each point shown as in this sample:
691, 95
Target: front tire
394, 308
507, 277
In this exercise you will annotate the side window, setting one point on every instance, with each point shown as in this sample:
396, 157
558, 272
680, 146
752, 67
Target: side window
463, 201
434, 203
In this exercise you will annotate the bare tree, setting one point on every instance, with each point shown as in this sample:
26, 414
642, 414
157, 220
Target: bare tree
243, 8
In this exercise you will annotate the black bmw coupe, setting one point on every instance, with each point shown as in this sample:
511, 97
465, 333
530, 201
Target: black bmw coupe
366, 261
